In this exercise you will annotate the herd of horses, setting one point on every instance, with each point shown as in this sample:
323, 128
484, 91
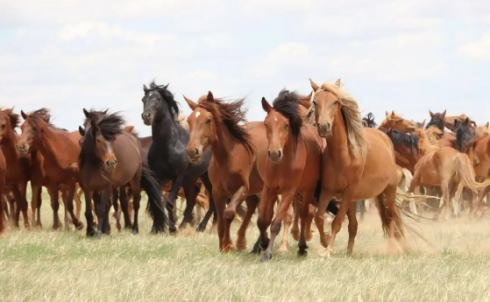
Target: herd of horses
311, 154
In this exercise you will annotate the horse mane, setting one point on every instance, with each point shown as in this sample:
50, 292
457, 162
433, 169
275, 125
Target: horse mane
465, 133
168, 97
368, 121
399, 138
352, 118
436, 121
287, 104
231, 113
44, 114
94, 115
13, 117
110, 125
305, 101
433, 134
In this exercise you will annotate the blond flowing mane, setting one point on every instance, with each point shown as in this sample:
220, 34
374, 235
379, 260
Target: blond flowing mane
428, 139
353, 121
182, 119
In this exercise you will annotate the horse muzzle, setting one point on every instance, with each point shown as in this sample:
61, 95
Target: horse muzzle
23, 149
275, 156
110, 164
324, 130
147, 118
194, 155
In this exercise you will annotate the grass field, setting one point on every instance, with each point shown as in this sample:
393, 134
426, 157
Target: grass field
65, 266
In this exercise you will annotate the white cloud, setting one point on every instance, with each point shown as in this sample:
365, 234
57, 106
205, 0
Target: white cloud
478, 50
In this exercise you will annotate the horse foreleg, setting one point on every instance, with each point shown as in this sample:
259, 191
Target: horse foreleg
102, 207
53, 193
35, 204
176, 184
190, 198
266, 211
88, 210
351, 215
117, 210
345, 204
324, 201
70, 190
123, 199
252, 202
288, 219
212, 207
296, 209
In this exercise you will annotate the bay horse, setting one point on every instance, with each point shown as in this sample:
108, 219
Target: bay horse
3, 172
366, 158
59, 149
167, 156
214, 125
110, 158
290, 166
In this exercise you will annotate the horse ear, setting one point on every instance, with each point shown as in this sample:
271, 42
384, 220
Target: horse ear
422, 124
309, 96
443, 115
81, 131
387, 113
189, 102
488, 125
337, 83
85, 112
129, 128
210, 97
431, 114
314, 86
165, 87
145, 89
467, 121
24, 115
266, 106
105, 111
393, 113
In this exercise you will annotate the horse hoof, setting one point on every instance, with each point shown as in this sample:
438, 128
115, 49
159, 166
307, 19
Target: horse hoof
98, 235
135, 232
302, 253
201, 228
267, 257
79, 226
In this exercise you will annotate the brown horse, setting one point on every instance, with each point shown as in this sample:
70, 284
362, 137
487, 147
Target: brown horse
366, 158
3, 172
17, 167
60, 150
110, 158
483, 130
290, 166
232, 171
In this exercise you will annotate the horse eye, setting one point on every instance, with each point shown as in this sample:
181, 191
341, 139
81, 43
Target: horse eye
34, 129
336, 102
286, 126
208, 121
3, 126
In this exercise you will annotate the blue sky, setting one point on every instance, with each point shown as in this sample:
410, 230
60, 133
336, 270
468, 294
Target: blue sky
406, 55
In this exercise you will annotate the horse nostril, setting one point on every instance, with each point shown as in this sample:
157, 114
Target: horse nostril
279, 153
269, 153
196, 151
148, 114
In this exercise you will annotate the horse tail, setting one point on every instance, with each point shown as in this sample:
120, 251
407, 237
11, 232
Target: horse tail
152, 187
332, 205
466, 174
387, 219
407, 176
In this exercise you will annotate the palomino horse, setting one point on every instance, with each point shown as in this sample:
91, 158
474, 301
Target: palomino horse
167, 155
60, 151
290, 166
366, 158
110, 158
483, 130
214, 125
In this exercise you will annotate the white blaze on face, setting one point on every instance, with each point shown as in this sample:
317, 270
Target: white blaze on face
275, 118
197, 114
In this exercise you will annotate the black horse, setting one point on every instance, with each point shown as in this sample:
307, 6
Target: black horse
167, 154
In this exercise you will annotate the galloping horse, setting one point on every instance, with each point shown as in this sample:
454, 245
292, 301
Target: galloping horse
3, 171
366, 159
290, 166
60, 151
214, 124
167, 155
110, 158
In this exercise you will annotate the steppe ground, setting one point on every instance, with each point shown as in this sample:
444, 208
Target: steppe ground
43, 265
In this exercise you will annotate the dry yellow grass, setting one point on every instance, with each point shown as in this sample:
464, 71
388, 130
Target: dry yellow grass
65, 266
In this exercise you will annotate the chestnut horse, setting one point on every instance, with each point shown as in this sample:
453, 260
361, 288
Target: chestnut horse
17, 167
60, 150
110, 158
290, 166
366, 158
483, 130
214, 124
3, 172
479, 154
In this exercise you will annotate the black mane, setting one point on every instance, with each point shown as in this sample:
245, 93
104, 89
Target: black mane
368, 121
404, 139
287, 103
167, 96
464, 134
436, 121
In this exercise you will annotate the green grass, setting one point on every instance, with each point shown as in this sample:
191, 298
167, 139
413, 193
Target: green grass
43, 265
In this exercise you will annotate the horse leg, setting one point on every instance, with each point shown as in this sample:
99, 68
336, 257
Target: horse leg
481, 195
35, 208
176, 184
212, 207
190, 197
351, 215
101, 207
325, 198
296, 208
361, 207
288, 219
70, 190
117, 212
266, 211
13, 208
24, 205
18, 200
241, 242
78, 203
123, 199
229, 215
64, 198
306, 219
220, 201
309, 220
53, 193
136, 206
88, 210
284, 204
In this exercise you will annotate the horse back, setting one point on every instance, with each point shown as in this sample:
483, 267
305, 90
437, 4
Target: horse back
127, 149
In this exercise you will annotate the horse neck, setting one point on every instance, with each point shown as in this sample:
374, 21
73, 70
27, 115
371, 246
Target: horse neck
8, 147
337, 143
50, 145
425, 145
164, 126
223, 144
